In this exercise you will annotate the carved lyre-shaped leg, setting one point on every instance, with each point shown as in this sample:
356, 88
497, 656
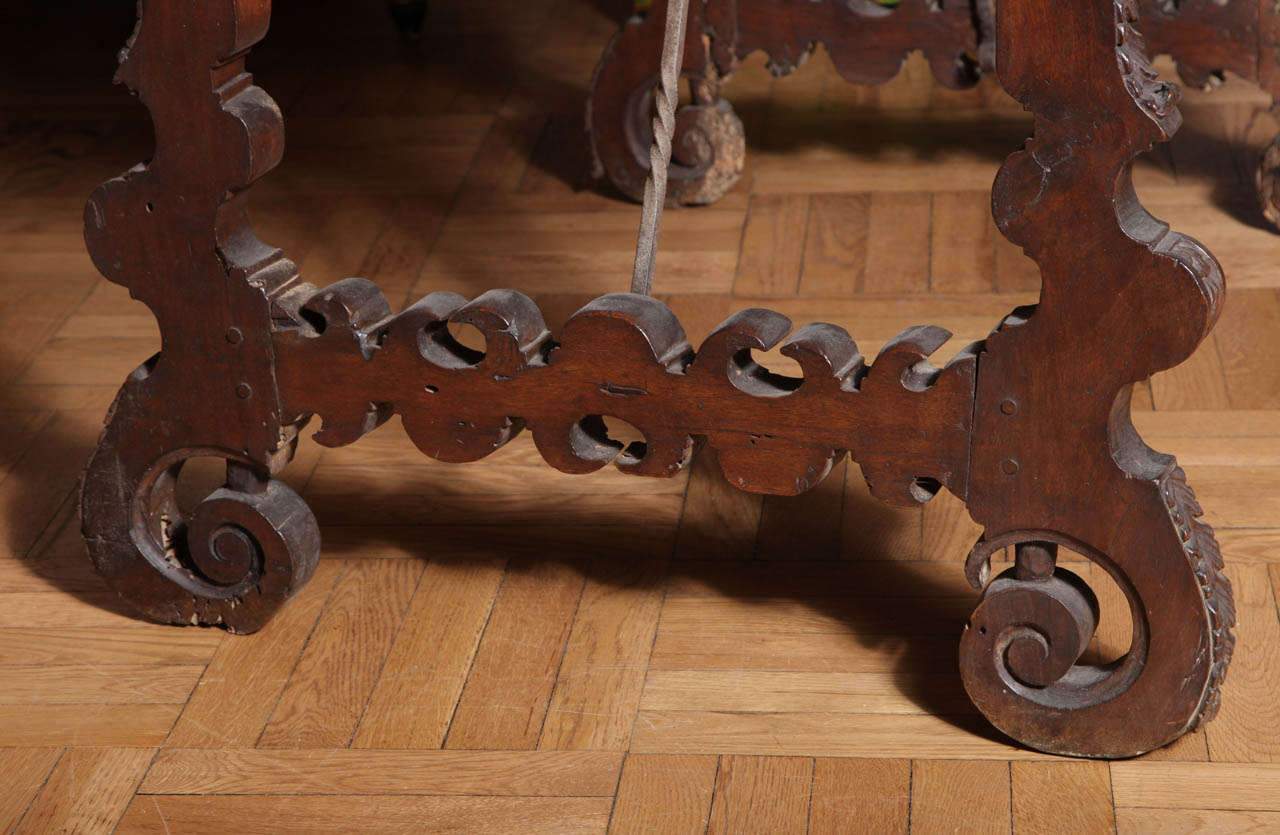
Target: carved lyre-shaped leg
1056, 461
175, 233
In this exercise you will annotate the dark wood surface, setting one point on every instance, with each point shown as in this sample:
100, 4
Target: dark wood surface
657, 651
1031, 427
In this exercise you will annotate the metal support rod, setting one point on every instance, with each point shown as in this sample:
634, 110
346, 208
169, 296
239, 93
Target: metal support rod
666, 97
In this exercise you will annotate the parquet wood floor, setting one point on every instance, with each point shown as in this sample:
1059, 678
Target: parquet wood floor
502, 648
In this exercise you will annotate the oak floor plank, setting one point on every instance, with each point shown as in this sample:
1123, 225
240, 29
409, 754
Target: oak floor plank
267, 815
772, 254
418, 689
1218, 785
947, 531
874, 531
800, 692
814, 579
825, 735
929, 615
1196, 384
55, 563
805, 527
860, 795
106, 646
1247, 728
106, 725
24, 427
761, 794
718, 521
1197, 821
88, 790
836, 652
1248, 342
835, 254
218, 712
504, 703
898, 238
962, 243
1192, 747
43, 479
601, 676
401, 247
947, 793
664, 793
56, 609
28, 769
349, 772
1237, 497
90, 684
328, 689
1073, 797
1249, 545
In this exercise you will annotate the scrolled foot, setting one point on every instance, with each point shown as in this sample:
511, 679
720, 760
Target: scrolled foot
709, 147
231, 560
1020, 652
1029, 630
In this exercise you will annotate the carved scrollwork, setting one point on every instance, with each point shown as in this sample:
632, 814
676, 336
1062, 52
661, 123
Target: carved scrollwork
352, 363
1089, 483
174, 231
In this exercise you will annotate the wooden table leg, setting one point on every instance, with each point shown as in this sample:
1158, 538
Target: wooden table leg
867, 42
1031, 427
174, 231
1055, 457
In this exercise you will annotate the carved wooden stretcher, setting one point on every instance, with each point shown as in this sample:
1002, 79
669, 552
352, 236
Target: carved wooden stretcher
1030, 427
867, 42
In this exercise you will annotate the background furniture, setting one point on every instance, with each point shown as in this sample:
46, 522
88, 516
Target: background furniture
868, 42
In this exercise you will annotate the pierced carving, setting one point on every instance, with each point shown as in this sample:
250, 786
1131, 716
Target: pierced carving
1030, 427
1148, 299
174, 232
350, 361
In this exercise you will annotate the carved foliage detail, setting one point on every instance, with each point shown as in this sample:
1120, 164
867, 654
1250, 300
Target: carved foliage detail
354, 364
1206, 560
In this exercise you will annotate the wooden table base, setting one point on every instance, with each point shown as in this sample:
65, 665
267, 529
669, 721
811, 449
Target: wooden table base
1030, 427
867, 43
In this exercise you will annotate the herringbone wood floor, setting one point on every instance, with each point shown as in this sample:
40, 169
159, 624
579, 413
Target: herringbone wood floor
499, 647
